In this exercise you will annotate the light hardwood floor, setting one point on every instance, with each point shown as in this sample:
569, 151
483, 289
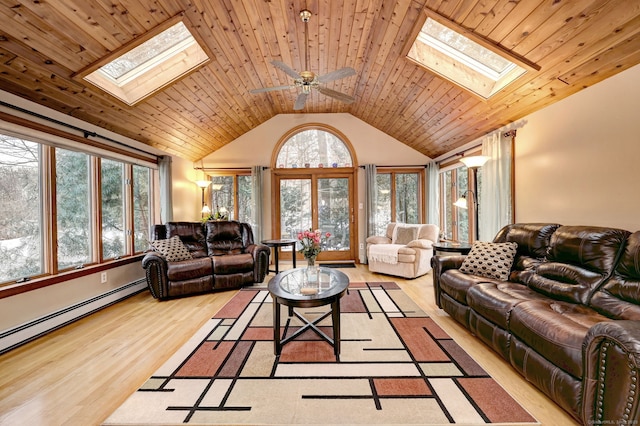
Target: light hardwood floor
80, 374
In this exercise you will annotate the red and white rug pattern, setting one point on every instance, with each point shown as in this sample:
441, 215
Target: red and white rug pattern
396, 366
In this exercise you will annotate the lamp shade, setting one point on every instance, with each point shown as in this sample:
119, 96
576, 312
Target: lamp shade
203, 183
461, 202
206, 209
474, 161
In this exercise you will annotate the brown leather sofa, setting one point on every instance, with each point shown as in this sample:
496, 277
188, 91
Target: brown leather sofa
568, 318
223, 255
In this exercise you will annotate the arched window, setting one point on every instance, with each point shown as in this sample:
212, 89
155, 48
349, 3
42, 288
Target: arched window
313, 148
313, 187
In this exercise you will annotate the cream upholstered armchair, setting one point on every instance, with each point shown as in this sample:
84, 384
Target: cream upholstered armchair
405, 251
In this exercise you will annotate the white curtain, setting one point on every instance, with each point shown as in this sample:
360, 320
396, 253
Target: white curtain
256, 193
166, 198
496, 198
433, 193
370, 195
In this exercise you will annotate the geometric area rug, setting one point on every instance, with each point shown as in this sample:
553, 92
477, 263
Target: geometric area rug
396, 366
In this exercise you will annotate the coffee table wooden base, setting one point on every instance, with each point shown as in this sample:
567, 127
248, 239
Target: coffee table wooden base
335, 317
286, 289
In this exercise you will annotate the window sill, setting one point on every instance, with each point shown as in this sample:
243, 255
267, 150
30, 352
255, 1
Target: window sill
12, 289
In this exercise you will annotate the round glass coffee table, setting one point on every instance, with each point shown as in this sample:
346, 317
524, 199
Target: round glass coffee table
302, 288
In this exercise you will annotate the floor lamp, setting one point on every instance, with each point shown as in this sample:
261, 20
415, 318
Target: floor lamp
472, 162
203, 184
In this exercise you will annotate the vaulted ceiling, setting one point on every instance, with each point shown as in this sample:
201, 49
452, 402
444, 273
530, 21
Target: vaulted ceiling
576, 43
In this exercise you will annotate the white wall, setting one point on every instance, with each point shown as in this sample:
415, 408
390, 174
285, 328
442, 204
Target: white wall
578, 160
187, 197
25, 307
371, 146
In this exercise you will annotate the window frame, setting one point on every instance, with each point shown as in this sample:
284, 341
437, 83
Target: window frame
313, 173
393, 171
235, 174
157, 78
51, 273
455, 167
454, 70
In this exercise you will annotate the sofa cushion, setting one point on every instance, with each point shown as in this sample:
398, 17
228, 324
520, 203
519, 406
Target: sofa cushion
533, 243
495, 301
172, 249
191, 234
490, 260
619, 296
457, 284
224, 237
406, 255
580, 258
532, 238
189, 269
232, 264
555, 330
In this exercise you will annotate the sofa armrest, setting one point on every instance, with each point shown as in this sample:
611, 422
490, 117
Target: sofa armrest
155, 266
421, 244
439, 264
260, 254
378, 240
611, 356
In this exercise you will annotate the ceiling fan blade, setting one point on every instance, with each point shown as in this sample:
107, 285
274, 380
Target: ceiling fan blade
300, 101
336, 95
286, 68
269, 89
337, 74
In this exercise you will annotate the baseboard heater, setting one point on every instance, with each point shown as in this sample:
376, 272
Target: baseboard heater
14, 337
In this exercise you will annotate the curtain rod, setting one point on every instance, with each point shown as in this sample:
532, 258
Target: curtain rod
511, 133
398, 167
204, 169
461, 154
85, 132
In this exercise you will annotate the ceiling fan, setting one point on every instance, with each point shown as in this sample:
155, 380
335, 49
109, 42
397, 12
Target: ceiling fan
308, 80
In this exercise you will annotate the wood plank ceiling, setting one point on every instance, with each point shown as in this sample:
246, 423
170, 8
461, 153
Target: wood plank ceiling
576, 43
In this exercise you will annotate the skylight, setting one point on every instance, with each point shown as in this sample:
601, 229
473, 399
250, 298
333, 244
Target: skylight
477, 66
134, 73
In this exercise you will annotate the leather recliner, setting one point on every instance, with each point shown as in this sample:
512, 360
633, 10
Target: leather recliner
567, 319
224, 256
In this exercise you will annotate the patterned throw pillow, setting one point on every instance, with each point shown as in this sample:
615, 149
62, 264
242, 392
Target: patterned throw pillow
172, 249
404, 234
490, 260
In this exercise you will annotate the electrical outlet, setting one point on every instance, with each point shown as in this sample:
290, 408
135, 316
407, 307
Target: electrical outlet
103, 277
361, 246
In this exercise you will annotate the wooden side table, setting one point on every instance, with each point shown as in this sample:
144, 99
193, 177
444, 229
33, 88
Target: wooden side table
276, 245
454, 248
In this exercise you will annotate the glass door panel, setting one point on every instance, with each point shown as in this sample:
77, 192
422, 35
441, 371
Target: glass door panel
295, 207
334, 213
318, 200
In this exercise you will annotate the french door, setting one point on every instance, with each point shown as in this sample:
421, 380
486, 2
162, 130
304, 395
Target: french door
321, 199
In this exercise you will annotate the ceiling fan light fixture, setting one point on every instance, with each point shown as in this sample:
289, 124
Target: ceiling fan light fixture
305, 15
307, 76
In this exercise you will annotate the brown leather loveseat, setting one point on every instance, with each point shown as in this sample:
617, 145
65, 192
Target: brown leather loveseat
201, 257
567, 318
